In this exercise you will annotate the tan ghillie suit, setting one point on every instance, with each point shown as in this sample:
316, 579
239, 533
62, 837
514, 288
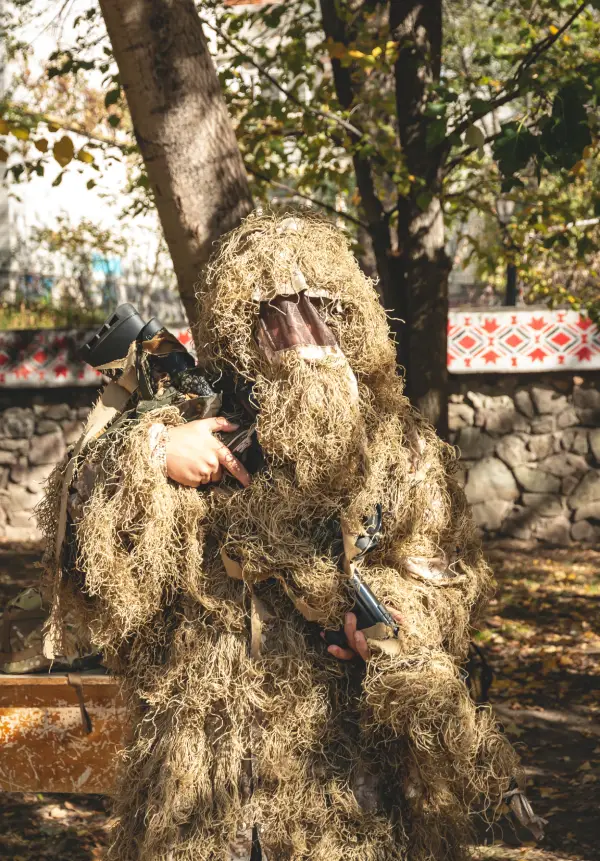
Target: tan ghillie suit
209, 603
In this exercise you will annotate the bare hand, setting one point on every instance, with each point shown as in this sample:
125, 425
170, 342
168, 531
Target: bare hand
357, 642
195, 456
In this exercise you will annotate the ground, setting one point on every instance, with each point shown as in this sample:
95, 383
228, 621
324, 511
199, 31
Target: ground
541, 636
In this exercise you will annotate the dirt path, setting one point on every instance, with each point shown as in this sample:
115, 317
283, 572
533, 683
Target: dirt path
542, 638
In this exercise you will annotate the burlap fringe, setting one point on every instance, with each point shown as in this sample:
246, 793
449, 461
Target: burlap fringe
294, 740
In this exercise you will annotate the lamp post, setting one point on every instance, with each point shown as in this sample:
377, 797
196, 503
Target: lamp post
505, 209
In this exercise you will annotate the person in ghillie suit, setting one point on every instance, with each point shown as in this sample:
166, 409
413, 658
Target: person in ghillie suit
210, 601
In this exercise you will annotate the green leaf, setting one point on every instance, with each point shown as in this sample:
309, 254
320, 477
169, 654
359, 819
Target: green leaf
436, 109
565, 137
424, 199
90, 184
112, 97
435, 134
114, 120
479, 107
58, 180
514, 148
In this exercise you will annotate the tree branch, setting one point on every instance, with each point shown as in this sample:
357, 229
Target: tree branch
320, 203
49, 119
511, 88
327, 115
461, 156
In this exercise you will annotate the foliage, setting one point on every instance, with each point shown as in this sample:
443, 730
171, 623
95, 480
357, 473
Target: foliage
42, 315
514, 114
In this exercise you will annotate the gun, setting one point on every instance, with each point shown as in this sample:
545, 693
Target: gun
110, 346
367, 609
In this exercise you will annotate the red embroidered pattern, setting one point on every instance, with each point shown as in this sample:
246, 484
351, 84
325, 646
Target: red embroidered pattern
48, 358
521, 340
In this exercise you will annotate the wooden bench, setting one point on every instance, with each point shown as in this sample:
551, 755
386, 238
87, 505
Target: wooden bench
48, 743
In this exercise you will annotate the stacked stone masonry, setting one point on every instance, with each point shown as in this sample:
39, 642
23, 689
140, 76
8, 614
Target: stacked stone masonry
530, 454
529, 447
36, 428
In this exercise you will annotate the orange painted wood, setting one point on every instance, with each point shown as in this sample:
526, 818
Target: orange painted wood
43, 744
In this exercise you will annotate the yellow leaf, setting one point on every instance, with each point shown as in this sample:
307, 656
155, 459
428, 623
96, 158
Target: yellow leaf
567, 39
553, 29
376, 51
21, 133
389, 46
85, 156
358, 55
63, 151
585, 767
578, 168
3, 127
53, 127
41, 145
337, 50
3, 155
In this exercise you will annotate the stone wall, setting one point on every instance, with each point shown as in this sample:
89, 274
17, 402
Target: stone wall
530, 453
36, 426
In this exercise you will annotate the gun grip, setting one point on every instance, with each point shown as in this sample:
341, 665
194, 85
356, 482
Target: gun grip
338, 638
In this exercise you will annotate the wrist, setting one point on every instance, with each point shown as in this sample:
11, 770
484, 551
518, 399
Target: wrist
158, 438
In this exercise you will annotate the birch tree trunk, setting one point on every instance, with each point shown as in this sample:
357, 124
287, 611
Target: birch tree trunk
182, 127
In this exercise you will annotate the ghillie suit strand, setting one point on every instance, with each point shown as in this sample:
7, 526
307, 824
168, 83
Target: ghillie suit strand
330, 761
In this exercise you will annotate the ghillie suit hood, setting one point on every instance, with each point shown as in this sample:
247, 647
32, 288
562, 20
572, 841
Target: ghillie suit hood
209, 602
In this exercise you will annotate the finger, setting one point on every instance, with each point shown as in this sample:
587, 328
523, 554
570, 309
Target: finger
232, 465
350, 623
216, 474
186, 481
219, 423
341, 654
396, 616
361, 645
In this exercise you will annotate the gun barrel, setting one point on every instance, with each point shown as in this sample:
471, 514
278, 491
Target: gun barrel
371, 608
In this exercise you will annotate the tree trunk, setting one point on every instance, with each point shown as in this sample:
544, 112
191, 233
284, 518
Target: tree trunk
413, 279
421, 300
422, 293
182, 127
